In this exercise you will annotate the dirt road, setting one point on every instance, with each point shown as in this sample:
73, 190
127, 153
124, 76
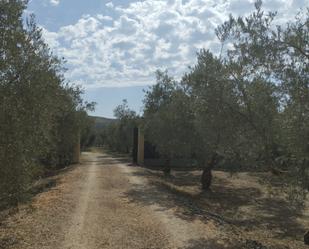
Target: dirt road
103, 203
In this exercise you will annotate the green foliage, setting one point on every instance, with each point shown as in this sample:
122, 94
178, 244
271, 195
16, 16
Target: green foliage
270, 67
249, 106
167, 115
40, 114
212, 100
249, 64
119, 135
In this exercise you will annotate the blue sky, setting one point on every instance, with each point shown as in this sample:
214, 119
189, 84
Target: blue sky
113, 48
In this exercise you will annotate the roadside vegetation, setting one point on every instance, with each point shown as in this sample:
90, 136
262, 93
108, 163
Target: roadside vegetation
118, 135
244, 108
41, 114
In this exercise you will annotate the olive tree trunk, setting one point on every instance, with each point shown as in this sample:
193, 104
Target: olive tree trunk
306, 238
167, 167
206, 178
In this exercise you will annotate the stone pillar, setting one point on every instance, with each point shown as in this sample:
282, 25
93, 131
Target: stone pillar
76, 150
140, 147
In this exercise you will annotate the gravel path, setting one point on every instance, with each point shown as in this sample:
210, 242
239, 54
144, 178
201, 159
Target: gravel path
104, 218
102, 203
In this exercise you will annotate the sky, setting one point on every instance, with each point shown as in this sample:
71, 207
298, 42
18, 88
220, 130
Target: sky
113, 48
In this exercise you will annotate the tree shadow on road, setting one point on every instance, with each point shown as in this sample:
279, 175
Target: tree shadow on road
203, 243
108, 159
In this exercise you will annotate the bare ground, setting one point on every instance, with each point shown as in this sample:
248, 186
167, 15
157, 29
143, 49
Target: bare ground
107, 203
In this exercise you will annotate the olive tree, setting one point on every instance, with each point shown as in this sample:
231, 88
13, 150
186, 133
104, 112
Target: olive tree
268, 65
119, 134
38, 109
212, 98
168, 119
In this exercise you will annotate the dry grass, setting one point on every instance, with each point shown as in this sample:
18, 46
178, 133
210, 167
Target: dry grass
243, 204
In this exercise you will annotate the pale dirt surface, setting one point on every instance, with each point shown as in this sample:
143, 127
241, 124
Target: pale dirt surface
107, 203
248, 208
93, 206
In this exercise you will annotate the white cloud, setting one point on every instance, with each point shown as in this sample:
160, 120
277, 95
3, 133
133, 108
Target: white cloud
54, 2
51, 37
126, 46
102, 17
109, 5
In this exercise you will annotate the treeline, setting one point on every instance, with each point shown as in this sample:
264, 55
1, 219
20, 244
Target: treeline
41, 115
245, 106
118, 136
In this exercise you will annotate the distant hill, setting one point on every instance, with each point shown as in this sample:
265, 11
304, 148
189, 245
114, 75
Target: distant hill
101, 122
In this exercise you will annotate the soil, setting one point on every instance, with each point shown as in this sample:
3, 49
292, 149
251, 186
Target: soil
105, 202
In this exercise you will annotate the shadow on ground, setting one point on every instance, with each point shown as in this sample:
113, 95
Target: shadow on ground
108, 159
240, 207
205, 244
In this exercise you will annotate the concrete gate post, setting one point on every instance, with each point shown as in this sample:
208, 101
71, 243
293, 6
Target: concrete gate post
76, 150
140, 147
